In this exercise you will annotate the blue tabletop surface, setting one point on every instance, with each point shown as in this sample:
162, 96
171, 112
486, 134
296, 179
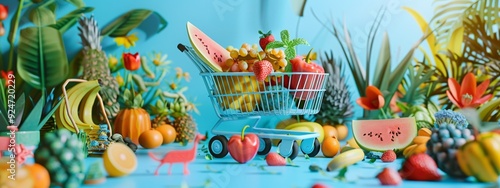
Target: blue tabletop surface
226, 172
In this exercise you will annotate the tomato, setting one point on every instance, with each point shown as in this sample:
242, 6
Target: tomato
4, 12
150, 139
167, 132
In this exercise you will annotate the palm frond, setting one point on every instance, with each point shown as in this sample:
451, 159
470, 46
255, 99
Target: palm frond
450, 14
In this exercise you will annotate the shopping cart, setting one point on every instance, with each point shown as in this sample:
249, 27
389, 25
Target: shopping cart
238, 96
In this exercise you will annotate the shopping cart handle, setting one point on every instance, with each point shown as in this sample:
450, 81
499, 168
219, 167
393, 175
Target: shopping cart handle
181, 47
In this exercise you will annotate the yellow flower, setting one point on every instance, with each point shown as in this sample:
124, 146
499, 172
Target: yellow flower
159, 59
120, 80
126, 41
180, 74
173, 86
112, 61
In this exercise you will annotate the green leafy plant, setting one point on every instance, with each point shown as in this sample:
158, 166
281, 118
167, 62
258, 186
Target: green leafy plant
289, 45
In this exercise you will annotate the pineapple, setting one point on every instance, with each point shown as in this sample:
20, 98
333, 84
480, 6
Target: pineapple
183, 122
451, 131
95, 65
336, 104
62, 154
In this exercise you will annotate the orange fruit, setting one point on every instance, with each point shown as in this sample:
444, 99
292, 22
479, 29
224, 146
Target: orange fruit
330, 146
330, 131
167, 132
22, 175
150, 139
119, 160
39, 174
342, 131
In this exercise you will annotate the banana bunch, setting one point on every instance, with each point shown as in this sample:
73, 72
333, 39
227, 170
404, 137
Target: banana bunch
79, 103
419, 143
308, 127
237, 92
481, 157
347, 157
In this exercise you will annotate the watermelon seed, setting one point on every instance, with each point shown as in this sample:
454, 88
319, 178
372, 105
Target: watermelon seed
364, 134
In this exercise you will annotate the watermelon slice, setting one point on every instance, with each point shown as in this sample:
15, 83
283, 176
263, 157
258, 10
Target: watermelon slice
213, 54
386, 134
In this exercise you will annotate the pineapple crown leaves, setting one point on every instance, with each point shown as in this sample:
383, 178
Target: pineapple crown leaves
132, 100
449, 117
89, 33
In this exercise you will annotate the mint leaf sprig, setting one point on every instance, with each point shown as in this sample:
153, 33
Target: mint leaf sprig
289, 46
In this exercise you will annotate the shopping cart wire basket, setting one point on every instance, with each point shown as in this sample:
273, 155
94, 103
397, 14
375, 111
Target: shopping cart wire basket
239, 96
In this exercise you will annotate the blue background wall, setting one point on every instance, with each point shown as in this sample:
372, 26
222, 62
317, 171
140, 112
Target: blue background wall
233, 22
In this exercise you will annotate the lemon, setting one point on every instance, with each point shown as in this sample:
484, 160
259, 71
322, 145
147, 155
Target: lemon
119, 160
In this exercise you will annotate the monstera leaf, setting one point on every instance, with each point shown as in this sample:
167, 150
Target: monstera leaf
129, 21
42, 60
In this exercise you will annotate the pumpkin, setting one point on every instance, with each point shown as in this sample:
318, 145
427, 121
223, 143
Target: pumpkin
480, 157
133, 119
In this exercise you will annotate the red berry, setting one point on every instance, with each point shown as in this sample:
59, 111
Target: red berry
320, 185
262, 69
4, 12
265, 39
389, 176
275, 159
420, 167
388, 156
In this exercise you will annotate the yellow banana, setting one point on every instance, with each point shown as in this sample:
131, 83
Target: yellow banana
315, 127
463, 163
492, 147
478, 163
409, 149
352, 143
76, 98
345, 159
85, 109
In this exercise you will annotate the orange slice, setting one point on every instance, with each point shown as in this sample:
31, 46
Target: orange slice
119, 160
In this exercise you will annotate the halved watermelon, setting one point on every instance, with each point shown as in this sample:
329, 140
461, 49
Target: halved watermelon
213, 54
386, 134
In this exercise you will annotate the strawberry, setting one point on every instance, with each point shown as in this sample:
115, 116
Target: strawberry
420, 167
320, 185
389, 176
388, 156
265, 38
262, 69
275, 159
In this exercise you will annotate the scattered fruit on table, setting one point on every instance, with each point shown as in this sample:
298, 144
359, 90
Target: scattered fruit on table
151, 139
275, 159
330, 147
209, 51
330, 131
480, 157
419, 143
336, 104
352, 142
39, 174
320, 185
308, 127
95, 66
168, 133
22, 177
243, 147
386, 134
305, 81
389, 176
388, 156
61, 153
119, 160
265, 39
133, 119
451, 131
420, 167
347, 158
183, 122
342, 131
94, 174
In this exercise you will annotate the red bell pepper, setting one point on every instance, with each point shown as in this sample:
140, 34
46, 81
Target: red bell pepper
132, 62
305, 81
243, 148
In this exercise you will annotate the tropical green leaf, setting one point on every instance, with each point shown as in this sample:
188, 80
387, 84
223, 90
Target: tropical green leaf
69, 20
275, 44
450, 13
129, 21
489, 109
42, 61
42, 16
298, 41
78, 3
285, 36
49, 114
290, 53
383, 67
20, 107
354, 64
30, 123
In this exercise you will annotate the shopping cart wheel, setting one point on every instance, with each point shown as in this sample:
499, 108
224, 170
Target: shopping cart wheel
284, 150
310, 149
264, 146
218, 146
